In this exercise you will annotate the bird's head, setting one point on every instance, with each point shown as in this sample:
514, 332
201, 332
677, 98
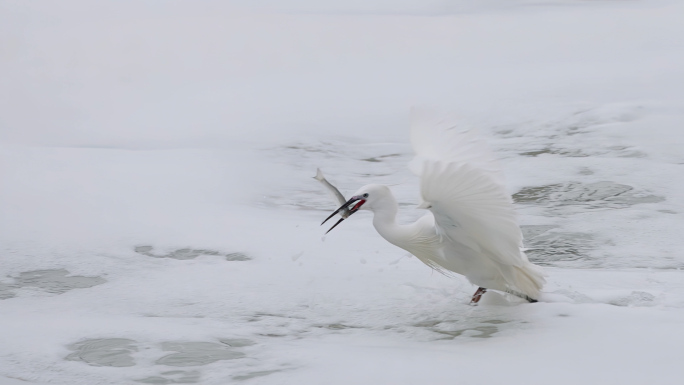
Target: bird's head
369, 197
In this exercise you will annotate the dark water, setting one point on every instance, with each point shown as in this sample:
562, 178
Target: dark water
56, 281
184, 254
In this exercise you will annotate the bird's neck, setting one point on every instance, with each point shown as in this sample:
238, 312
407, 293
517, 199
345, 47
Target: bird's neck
385, 222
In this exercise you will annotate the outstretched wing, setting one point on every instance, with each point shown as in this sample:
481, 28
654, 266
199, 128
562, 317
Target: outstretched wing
439, 137
462, 186
473, 210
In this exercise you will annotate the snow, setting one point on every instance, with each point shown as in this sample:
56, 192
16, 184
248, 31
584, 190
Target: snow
162, 155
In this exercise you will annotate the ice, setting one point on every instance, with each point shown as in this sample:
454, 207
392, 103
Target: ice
159, 223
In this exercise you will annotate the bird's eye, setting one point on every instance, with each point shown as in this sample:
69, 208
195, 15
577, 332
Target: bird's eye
365, 195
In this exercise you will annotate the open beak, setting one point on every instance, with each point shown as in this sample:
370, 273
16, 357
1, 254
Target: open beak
346, 210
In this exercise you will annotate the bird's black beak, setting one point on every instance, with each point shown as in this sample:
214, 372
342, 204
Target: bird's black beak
345, 207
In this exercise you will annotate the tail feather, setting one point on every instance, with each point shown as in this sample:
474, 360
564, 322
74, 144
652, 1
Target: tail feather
527, 279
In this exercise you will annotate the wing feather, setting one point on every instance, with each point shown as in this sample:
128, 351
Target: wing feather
436, 137
463, 187
473, 210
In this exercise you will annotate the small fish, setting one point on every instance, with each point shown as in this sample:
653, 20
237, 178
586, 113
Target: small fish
344, 211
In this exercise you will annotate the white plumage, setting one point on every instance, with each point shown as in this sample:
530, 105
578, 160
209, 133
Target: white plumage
471, 226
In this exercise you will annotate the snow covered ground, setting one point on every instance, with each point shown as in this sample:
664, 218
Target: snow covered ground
159, 223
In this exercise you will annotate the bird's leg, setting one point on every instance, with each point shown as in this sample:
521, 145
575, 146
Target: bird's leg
478, 294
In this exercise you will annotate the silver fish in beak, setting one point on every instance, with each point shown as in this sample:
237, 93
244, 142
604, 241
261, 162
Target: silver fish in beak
334, 193
358, 199
344, 209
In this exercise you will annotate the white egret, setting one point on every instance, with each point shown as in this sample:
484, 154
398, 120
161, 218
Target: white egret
471, 227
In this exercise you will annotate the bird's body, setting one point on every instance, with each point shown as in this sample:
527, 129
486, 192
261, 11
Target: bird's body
471, 228
446, 246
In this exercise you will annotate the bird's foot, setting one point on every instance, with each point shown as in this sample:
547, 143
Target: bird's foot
478, 295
